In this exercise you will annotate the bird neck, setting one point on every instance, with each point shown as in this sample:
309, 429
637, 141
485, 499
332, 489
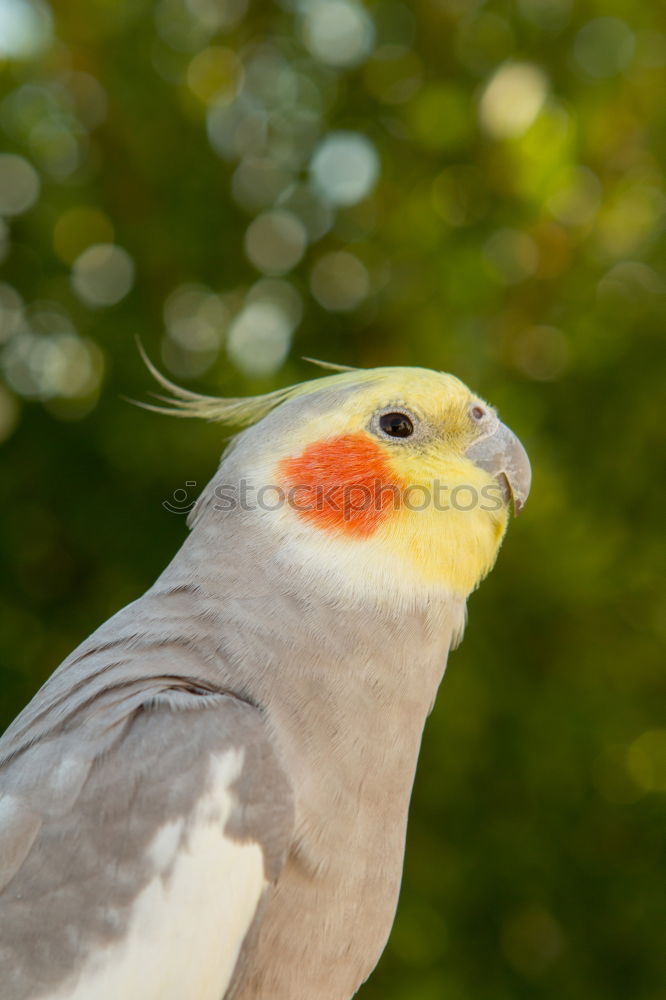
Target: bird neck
323, 663
288, 615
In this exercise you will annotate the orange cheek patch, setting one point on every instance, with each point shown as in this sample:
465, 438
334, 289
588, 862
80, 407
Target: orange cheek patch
343, 484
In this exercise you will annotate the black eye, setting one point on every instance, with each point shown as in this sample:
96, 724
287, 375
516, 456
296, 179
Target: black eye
397, 425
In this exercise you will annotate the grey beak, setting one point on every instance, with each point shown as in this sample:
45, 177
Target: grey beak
501, 453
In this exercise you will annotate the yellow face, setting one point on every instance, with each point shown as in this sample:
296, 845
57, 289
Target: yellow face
385, 475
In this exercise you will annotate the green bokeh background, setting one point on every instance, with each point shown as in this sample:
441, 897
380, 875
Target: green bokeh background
511, 237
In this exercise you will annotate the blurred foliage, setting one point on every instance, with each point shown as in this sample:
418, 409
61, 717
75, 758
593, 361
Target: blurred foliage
473, 187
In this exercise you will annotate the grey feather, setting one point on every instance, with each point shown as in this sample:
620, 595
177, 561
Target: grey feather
84, 858
234, 645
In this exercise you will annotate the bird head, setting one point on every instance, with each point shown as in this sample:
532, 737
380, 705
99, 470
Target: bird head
397, 474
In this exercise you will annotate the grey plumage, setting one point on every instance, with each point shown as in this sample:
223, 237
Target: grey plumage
237, 647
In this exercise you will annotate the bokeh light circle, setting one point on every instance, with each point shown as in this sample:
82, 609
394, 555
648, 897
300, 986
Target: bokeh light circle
26, 28
604, 47
275, 242
339, 281
259, 338
19, 184
338, 32
103, 274
512, 99
344, 167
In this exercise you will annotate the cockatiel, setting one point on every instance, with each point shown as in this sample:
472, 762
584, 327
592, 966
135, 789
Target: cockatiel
208, 799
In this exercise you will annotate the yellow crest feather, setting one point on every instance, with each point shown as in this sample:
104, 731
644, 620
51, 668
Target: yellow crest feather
238, 411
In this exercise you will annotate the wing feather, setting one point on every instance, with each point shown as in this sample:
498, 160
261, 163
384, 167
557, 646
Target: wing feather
135, 864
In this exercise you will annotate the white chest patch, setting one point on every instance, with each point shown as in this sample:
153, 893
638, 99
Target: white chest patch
186, 927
